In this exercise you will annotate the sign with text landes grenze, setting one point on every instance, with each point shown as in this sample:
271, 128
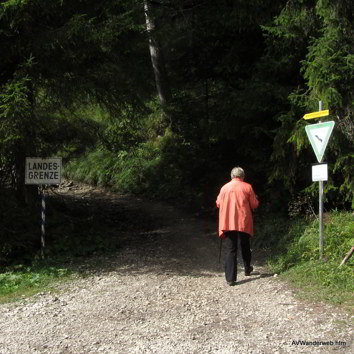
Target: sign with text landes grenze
43, 170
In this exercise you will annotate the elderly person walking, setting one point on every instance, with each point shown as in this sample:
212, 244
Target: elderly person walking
235, 202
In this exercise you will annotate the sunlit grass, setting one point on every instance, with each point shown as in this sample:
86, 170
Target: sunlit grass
23, 281
296, 258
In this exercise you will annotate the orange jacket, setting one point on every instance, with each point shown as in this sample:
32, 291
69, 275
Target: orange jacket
235, 202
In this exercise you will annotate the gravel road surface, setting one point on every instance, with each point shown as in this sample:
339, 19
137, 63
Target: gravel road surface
165, 292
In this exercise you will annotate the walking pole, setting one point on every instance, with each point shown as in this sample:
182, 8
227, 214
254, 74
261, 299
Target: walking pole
217, 235
220, 249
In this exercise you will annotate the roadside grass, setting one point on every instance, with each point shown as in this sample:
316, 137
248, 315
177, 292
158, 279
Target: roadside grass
318, 281
293, 249
22, 281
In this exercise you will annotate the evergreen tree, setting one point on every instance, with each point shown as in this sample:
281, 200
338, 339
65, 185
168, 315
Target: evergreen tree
313, 41
60, 55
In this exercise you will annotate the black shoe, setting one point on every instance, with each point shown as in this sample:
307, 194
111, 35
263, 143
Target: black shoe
231, 283
248, 271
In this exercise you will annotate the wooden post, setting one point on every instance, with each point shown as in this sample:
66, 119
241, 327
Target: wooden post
346, 258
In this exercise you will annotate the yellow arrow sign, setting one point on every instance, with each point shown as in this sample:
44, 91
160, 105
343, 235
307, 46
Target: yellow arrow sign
316, 114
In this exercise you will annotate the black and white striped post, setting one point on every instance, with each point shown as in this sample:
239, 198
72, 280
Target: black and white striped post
43, 222
43, 172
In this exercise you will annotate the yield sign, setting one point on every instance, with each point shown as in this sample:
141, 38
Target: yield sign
319, 135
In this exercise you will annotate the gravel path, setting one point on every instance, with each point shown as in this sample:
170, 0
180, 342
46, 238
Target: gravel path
165, 293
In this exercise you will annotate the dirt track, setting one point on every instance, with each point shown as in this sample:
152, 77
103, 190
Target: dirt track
164, 292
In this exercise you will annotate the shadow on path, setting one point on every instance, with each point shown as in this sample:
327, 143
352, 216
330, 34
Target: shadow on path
153, 237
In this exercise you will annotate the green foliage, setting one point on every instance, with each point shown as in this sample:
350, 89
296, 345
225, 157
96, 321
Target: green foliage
329, 66
345, 165
295, 254
324, 282
140, 170
66, 134
94, 168
322, 34
124, 132
300, 244
273, 230
15, 118
81, 50
76, 80
21, 280
61, 56
160, 168
25, 133
19, 231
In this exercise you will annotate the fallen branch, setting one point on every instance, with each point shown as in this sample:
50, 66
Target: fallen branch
349, 254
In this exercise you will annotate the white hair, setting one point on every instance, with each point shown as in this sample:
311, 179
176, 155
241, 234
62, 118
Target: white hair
237, 172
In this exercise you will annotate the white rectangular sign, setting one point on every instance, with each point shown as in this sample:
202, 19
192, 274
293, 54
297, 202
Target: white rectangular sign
320, 172
43, 170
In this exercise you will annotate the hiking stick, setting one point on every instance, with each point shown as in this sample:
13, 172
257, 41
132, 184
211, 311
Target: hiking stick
220, 249
217, 235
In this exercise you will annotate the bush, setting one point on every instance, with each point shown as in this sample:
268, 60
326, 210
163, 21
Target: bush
126, 172
274, 231
302, 245
20, 229
297, 256
159, 168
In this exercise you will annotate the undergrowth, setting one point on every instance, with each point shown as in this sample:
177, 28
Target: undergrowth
293, 246
160, 168
22, 280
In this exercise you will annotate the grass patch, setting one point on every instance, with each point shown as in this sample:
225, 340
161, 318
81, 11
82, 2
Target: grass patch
125, 172
155, 168
320, 281
296, 257
23, 281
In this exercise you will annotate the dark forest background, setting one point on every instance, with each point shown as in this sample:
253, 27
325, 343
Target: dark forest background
162, 98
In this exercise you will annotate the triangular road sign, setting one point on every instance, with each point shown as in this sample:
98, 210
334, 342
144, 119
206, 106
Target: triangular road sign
319, 135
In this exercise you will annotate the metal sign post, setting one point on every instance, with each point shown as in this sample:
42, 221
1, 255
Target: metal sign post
321, 217
320, 202
42, 171
318, 135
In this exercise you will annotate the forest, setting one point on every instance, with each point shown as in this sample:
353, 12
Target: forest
162, 98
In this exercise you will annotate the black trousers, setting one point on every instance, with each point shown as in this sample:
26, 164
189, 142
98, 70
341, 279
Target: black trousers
230, 253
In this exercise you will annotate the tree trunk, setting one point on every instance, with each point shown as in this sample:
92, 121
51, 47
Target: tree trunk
157, 60
31, 191
26, 194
